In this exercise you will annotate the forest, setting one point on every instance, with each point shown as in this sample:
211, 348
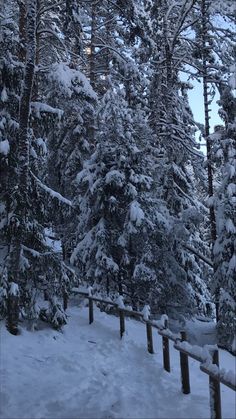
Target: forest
102, 178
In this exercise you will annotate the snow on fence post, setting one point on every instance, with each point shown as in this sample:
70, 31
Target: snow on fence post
214, 387
91, 318
184, 367
165, 348
122, 322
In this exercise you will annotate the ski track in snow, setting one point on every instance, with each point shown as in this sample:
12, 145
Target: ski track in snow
88, 372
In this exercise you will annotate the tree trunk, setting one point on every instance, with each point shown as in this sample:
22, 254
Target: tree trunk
212, 219
92, 46
167, 85
92, 64
23, 146
108, 54
73, 32
22, 30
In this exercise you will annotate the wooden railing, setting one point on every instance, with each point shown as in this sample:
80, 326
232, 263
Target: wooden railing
208, 357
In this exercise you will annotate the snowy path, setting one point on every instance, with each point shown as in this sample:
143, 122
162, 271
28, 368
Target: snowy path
87, 372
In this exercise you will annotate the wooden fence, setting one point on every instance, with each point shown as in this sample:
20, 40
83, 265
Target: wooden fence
216, 376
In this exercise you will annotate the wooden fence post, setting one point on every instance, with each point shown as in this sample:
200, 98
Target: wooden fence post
184, 368
65, 300
13, 313
149, 338
166, 350
122, 323
214, 386
91, 318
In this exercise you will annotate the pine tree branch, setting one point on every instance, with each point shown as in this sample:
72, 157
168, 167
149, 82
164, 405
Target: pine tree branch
44, 9
200, 255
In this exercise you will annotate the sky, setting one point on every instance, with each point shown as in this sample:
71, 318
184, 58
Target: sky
196, 94
197, 105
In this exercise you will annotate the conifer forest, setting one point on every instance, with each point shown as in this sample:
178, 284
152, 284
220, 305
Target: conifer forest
108, 176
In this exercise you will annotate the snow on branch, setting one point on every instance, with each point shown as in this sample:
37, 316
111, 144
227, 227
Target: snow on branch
14, 289
71, 80
4, 147
109, 47
35, 253
39, 107
51, 192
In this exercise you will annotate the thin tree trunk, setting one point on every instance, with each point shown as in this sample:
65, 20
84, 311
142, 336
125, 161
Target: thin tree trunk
35, 87
212, 218
73, 33
207, 118
22, 30
92, 46
108, 54
92, 64
23, 147
168, 81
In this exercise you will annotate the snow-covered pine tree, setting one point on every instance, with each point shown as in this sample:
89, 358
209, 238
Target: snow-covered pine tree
10, 76
31, 265
125, 240
107, 198
11, 72
182, 218
110, 188
70, 98
69, 90
135, 200
210, 59
224, 249
173, 126
68, 148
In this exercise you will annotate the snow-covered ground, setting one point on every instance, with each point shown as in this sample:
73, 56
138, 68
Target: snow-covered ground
88, 372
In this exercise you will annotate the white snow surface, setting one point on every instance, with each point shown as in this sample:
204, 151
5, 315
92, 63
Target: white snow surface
4, 147
116, 177
14, 289
88, 372
4, 95
120, 301
136, 213
146, 312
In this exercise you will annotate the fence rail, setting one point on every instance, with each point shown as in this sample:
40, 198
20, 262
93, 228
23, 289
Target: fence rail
209, 366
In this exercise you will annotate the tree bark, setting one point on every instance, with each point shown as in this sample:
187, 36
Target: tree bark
22, 30
92, 64
92, 46
212, 218
207, 118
